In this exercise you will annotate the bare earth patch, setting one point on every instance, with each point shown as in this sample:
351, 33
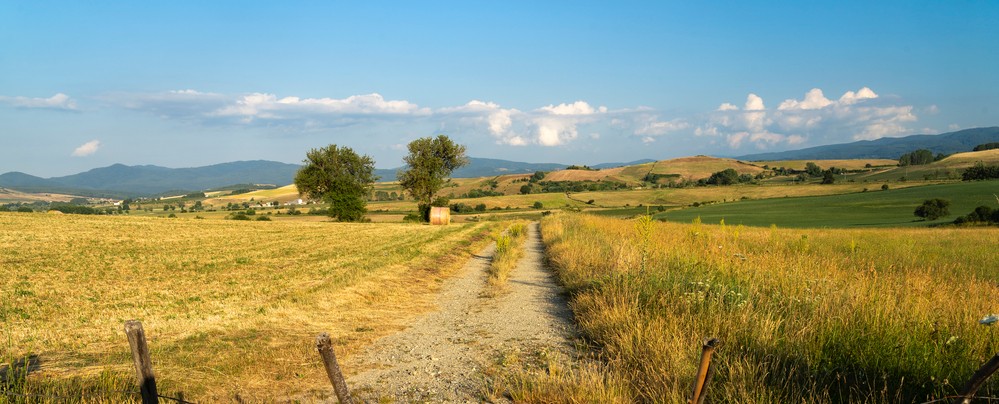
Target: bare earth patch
441, 357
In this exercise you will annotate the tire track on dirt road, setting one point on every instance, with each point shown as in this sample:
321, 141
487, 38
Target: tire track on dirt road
440, 357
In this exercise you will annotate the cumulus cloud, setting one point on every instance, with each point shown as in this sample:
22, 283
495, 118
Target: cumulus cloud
59, 101
813, 119
859, 114
266, 108
87, 149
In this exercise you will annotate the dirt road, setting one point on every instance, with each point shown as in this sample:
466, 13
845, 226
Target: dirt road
440, 357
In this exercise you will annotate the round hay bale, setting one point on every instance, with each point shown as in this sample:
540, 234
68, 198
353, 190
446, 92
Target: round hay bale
440, 215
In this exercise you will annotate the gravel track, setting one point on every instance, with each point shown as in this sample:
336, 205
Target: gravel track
440, 357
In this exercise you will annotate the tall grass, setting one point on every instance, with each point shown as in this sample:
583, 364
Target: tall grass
509, 250
803, 316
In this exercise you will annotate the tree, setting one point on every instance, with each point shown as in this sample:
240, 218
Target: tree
339, 177
933, 209
827, 177
813, 169
430, 164
918, 157
727, 176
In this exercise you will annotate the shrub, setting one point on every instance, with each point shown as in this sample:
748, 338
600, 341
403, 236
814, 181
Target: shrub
25, 209
263, 218
884, 187
933, 209
538, 205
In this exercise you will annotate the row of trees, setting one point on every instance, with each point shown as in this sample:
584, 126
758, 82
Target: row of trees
343, 179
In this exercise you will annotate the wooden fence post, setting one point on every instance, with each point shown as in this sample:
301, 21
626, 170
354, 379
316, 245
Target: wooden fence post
704, 372
977, 380
143, 365
325, 347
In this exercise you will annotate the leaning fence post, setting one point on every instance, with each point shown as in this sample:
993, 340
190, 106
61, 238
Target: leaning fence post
704, 372
325, 347
978, 379
143, 365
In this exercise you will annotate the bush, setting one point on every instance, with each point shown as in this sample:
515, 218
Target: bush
538, 205
25, 209
236, 216
884, 187
263, 219
980, 171
933, 209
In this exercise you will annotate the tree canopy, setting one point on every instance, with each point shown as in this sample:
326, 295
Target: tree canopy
933, 209
915, 158
339, 177
429, 166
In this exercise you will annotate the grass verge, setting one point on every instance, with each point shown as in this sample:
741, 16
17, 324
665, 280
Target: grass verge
509, 250
818, 316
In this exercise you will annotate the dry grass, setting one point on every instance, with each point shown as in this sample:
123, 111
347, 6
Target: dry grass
851, 164
804, 315
965, 160
509, 251
231, 309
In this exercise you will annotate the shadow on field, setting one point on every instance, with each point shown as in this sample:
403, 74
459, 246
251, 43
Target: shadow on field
17, 370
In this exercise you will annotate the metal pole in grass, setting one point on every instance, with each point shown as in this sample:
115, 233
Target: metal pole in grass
325, 347
143, 365
977, 380
704, 372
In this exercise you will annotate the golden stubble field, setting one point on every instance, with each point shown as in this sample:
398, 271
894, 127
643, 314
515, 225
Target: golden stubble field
231, 309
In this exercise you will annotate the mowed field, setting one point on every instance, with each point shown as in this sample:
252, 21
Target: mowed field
231, 308
875, 208
803, 316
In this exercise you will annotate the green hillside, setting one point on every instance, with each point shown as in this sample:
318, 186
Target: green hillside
865, 209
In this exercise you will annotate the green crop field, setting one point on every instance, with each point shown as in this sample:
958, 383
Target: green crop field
874, 208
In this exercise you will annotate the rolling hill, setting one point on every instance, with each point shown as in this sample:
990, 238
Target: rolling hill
888, 148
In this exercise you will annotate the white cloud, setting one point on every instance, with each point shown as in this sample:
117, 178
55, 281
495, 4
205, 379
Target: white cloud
58, 101
754, 103
854, 116
555, 125
814, 99
87, 149
813, 119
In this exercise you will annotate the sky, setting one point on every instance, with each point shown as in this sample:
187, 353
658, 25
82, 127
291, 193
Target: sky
186, 84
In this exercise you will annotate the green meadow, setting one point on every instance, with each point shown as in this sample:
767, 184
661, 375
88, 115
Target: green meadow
874, 208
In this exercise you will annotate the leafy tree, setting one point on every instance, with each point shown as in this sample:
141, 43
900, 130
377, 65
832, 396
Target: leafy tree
430, 164
538, 176
727, 176
986, 146
933, 209
980, 171
339, 177
813, 169
827, 177
918, 157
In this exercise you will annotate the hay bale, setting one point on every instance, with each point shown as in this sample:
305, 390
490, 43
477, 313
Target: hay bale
440, 215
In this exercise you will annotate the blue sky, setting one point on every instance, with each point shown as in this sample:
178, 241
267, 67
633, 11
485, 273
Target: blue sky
181, 84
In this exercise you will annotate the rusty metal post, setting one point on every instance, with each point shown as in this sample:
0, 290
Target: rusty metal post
325, 347
704, 370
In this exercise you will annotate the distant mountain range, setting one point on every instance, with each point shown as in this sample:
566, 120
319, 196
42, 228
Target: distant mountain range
888, 147
128, 181
120, 180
